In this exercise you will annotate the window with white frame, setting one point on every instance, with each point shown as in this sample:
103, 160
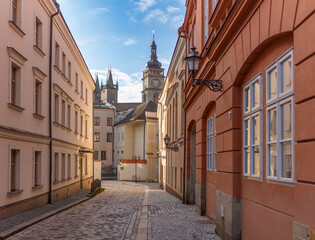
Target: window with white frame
206, 14
16, 12
38, 33
37, 168
56, 168
15, 170
279, 110
252, 127
63, 166
69, 166
75, 165
211, 143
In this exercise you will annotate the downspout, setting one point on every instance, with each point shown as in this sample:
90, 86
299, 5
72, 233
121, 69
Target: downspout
145, 122
50, 102
184, 175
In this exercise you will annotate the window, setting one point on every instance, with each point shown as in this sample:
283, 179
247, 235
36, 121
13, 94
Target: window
86, 128
96, 121
195, 35
81, 126
63, 112
75, 165
86, 96
69, 71
38, 33
211, 143
76, 122
95, 155
280, 118
15, 83
109, 121
118, 137
69, 165
37, 167
14, 173
56, 168
63, 166
76, 81
96, 137
56, 108
38, 97
103, 155
63, 63
16, 12
57, 56
86, 165
122, 136
214, 5
69, 116
252, 127
81, 89
206, 19
109, 137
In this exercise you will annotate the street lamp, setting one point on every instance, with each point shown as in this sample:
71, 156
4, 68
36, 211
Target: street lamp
167, 142
193, 59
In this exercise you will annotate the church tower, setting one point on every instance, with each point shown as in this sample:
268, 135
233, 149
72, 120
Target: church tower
109, 90
153, 77
97, 91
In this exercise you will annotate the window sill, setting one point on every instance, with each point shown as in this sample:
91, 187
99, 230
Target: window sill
15, 107
35, 115
257, 178
75, 177
39, 51
82, 98
76, 133
64, 77
69, 130
69, 83
16, 28
289, 183
69, 178
57, 69
77, 92
55, 182
37, 187
57, 124
63, 180
16, 192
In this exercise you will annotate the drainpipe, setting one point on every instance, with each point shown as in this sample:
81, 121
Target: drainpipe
184, 175
50, 104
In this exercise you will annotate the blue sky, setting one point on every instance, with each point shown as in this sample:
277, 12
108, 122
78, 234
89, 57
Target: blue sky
119, 33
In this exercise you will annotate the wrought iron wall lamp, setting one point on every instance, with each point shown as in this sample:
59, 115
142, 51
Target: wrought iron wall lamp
167, 142
193, 59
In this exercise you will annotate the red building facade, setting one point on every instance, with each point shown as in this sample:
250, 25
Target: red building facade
249, 148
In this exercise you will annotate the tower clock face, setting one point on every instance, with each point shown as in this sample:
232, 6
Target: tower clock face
156, 83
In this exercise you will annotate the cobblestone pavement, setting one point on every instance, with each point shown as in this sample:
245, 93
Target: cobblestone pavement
125, 211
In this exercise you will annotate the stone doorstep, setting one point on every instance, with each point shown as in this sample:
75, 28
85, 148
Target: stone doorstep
14, 230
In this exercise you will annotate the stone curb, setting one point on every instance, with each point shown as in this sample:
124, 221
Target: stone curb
14, 230
142, 233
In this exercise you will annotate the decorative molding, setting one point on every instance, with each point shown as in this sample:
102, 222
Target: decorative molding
39, 51
38, 73
16, 55
16, 28
15, 107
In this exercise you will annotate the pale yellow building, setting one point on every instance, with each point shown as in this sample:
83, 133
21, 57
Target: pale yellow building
171, 123
46, 120
136, 142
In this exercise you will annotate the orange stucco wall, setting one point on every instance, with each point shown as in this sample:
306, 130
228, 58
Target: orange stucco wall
255, 35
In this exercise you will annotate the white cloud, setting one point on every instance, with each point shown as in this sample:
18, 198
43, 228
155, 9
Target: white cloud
158, 14
130, 41
99, 10
86, 41
171, 9
177, 21
143, 5
130, 85
133, 19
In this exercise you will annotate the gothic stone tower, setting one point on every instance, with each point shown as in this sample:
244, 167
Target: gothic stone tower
109, 91
153, 77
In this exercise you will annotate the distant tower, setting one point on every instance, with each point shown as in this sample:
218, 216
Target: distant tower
97, 91
109, 91
153, 77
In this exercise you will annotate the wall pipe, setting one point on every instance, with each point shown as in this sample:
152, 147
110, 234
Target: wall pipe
50, 102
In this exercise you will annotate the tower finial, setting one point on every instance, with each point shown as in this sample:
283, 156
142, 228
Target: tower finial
153, 34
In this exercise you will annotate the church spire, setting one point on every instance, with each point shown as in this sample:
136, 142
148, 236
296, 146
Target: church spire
109, 78
153, 62
97, 83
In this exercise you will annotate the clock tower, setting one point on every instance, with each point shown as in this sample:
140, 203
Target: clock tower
153, 77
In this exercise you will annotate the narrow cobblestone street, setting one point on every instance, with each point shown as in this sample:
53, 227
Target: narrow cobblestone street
125, 211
